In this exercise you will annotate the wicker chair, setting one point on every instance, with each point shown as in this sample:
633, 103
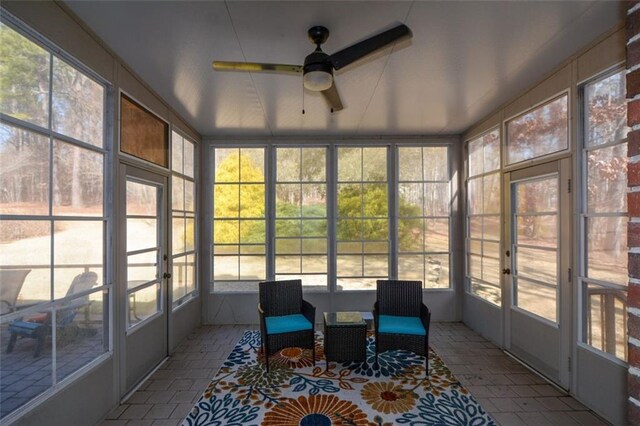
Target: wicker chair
286, 320
401, 319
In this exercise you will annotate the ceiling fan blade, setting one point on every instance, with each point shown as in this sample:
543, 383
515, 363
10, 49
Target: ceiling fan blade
255, 67
332, 97
353, 53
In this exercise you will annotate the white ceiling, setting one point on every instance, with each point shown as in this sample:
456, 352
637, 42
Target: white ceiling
464, 61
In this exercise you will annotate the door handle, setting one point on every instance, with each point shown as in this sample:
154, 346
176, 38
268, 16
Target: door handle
166, 275
506, 271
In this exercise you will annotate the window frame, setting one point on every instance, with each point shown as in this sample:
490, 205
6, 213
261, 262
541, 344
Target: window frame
390, 186
391, 144
396, 205
582, 252
106, 218
268, 212
505, 166
467, 239
195, 293
272, 209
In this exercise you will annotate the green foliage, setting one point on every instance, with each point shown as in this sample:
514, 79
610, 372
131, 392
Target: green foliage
24, 77
407, 230
354, 201
233, 201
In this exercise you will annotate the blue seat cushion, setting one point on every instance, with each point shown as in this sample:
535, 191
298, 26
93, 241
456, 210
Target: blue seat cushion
26, 328
287, 324
391, 324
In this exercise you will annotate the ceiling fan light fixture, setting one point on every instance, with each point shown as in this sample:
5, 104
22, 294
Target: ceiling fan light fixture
317, 81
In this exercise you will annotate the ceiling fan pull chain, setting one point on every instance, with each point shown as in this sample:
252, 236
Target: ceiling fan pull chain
302, 98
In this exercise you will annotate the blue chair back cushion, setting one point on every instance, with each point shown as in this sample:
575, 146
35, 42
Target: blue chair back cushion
287, 324
391, 324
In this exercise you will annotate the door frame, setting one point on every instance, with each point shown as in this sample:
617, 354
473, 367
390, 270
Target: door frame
566, 302
141, 174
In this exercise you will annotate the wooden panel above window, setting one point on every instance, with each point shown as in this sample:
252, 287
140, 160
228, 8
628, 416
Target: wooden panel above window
142, 134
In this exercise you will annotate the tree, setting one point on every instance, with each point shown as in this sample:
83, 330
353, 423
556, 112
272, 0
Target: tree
77, 106
24, 78
234, 199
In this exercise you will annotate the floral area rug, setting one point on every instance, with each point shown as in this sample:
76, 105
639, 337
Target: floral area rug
295, 392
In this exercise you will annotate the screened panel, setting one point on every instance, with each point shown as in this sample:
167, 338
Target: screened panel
69, 261
607, 255
78, 180
52, 239
25, 68
144, 292
423, 215
540, 132
183, 223
25, 155
25, 247
239, 225
604, 271
83, 332
483, 224
301, 211
606, 319
535, 274
77, 104
143, 304
606, 110
362, 207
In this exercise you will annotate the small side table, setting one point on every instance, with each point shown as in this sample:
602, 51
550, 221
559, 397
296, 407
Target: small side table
345, 337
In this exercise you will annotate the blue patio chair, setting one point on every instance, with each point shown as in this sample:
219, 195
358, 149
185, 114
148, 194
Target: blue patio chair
286, 320
401, 320
39, 326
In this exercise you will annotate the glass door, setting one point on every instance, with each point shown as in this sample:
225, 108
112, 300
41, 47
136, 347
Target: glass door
537, 262
144, 274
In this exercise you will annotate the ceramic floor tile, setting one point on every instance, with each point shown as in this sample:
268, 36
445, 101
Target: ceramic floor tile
511, 393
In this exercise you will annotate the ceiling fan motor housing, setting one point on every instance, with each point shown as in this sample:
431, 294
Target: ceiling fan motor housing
318, 61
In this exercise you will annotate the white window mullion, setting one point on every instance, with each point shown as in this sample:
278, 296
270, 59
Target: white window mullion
392, 202
270, 210
332, 214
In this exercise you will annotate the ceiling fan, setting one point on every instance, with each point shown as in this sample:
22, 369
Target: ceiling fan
317, 71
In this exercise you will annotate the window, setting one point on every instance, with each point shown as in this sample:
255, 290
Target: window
239, 225
483, 217
144, 216
362, 234
329, 220
424, 206
604, 218
301, 216
53, 219
542, 131
183, 208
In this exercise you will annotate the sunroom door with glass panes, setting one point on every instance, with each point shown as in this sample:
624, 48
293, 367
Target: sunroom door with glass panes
538, 265
146, 273
538, 250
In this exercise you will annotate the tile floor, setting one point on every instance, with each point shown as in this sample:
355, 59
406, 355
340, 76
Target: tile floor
507, 390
